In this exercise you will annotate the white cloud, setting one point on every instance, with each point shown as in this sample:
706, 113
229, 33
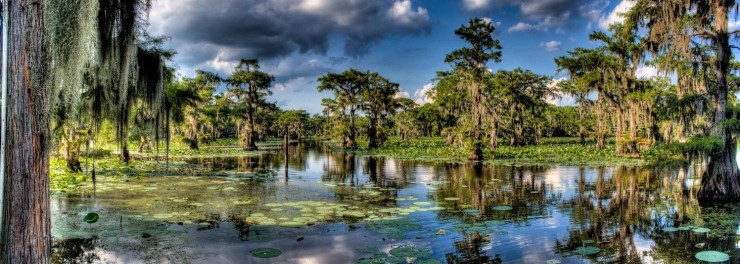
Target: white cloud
474, 5
734, 25
645, 72
402, 94
614, 16
562, 99
422, 95
551, 45
521, 27
403, 13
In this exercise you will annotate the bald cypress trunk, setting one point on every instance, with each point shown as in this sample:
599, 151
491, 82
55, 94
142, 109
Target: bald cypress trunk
476, 154
26, 236
721, 181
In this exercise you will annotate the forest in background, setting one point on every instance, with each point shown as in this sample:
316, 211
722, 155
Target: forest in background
91, 74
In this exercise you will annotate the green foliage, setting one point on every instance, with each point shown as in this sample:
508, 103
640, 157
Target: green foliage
62, 180
561, 151
681, 153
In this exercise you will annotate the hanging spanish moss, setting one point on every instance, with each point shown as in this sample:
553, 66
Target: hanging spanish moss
102, 60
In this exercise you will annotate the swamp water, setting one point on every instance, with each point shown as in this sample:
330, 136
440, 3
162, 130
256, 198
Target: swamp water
330, 207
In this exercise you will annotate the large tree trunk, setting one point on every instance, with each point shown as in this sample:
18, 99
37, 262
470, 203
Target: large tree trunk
372, 134
72, 150
721, 182
26, 236
193, 131
351, 144
494, 132
125, 155
476, 154
581, 120
601, 133
251, 135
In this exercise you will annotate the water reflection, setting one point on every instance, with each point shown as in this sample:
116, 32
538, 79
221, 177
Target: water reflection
489, 214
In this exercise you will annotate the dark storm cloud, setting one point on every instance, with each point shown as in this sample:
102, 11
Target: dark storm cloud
231, 29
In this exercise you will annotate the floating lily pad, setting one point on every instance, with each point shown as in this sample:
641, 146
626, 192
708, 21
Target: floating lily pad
701, 230
371, 261
91, 218
471, 211
265, 252
495, 222
553, 261
162, 216
670, 229
684, 228
452, 199
369, 250
588, 241
389, 230
587, 250
405, 251
478, 229
503, 208
463, 225
712, 256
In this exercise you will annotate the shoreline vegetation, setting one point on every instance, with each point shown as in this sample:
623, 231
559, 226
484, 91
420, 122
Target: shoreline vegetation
552, 151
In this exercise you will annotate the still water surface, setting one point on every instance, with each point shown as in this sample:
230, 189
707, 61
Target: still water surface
327, 207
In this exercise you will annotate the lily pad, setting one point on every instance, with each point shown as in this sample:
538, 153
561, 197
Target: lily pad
405, 251
670, 229
91, 218
588, 241
371, 261
587, 250
478, 229
701, 230
471, 211
712, 256
265, 252
503, 208
495, 222
369, 250
452, 199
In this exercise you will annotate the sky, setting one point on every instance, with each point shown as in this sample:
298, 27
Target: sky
406, 41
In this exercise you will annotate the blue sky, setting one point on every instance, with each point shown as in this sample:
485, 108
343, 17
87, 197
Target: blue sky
404, 40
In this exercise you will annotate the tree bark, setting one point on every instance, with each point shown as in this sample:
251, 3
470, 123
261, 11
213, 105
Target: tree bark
72, 150
721, 181
601, 135
581, 120
372, 134
476, 154
26, 236
351, 144
251, 136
